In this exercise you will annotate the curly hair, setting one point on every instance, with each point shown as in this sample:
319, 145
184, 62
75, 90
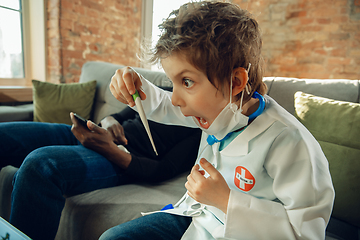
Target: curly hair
216, 37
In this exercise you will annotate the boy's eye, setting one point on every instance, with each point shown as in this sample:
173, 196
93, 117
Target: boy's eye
187, 82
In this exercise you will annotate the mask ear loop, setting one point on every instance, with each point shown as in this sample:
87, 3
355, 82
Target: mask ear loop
246, 88
233, 106
211, 139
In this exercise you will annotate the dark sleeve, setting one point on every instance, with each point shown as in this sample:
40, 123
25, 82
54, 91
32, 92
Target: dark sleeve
129, 113
177, 147
124, 115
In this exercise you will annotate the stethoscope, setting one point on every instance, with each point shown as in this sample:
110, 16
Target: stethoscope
211, 139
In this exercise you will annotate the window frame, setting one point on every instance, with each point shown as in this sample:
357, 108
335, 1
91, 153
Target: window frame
146, 24
147, 28
34, 45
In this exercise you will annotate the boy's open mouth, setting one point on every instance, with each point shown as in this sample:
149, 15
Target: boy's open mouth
203, 123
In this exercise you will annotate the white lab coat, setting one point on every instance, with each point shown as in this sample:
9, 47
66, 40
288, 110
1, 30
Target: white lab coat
279, 178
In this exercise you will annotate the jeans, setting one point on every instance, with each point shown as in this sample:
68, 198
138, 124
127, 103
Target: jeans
156, 226
55, 165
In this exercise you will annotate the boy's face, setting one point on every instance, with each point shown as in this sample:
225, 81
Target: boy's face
192, 90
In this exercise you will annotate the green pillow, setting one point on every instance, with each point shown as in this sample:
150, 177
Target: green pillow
54, 102
336, 125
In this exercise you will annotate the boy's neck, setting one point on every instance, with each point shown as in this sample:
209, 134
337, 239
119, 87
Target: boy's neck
250, 106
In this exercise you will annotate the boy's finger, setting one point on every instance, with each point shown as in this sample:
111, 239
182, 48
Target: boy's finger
188, 187
130, 77
117, 86
196, 173
128, 88
115, 92
208, 167
138, 85
195, 169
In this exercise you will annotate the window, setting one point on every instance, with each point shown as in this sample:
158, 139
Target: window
11, 47
22, 42
155, 11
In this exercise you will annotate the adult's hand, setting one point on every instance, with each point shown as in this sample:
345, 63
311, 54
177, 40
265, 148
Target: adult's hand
116, 130
93, 137
101, 141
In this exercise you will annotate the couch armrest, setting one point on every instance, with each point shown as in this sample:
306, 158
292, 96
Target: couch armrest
17, 113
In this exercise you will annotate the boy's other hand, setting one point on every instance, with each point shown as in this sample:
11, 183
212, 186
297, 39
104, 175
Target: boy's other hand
212, 190
124, 83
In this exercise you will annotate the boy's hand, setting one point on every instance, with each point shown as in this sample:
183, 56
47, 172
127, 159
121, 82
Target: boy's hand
124, 83
115, 128
212, 191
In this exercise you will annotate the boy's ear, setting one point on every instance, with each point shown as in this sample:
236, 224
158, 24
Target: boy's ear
239, 80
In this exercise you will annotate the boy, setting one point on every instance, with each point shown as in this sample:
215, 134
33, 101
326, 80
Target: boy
259, 174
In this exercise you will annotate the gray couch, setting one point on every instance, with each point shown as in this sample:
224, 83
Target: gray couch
86, 216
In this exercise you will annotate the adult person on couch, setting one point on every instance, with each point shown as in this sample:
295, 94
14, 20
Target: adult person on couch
58, 160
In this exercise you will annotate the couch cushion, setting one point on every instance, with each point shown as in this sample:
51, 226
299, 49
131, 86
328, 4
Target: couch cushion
88, 215
23, 112
283, 89
54, 102
335, 124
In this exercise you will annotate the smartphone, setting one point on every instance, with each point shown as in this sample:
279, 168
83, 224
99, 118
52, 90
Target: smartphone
82, 120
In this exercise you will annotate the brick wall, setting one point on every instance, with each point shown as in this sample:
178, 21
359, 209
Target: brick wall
302, 38
91, 30
309, 38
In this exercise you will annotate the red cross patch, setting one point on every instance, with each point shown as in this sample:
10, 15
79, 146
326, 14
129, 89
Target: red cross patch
244, 179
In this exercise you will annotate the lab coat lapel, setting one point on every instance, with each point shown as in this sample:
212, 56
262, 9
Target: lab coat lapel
240, 146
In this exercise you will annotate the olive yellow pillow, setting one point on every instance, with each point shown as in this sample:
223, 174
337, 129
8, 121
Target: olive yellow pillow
336, 126
54, 102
